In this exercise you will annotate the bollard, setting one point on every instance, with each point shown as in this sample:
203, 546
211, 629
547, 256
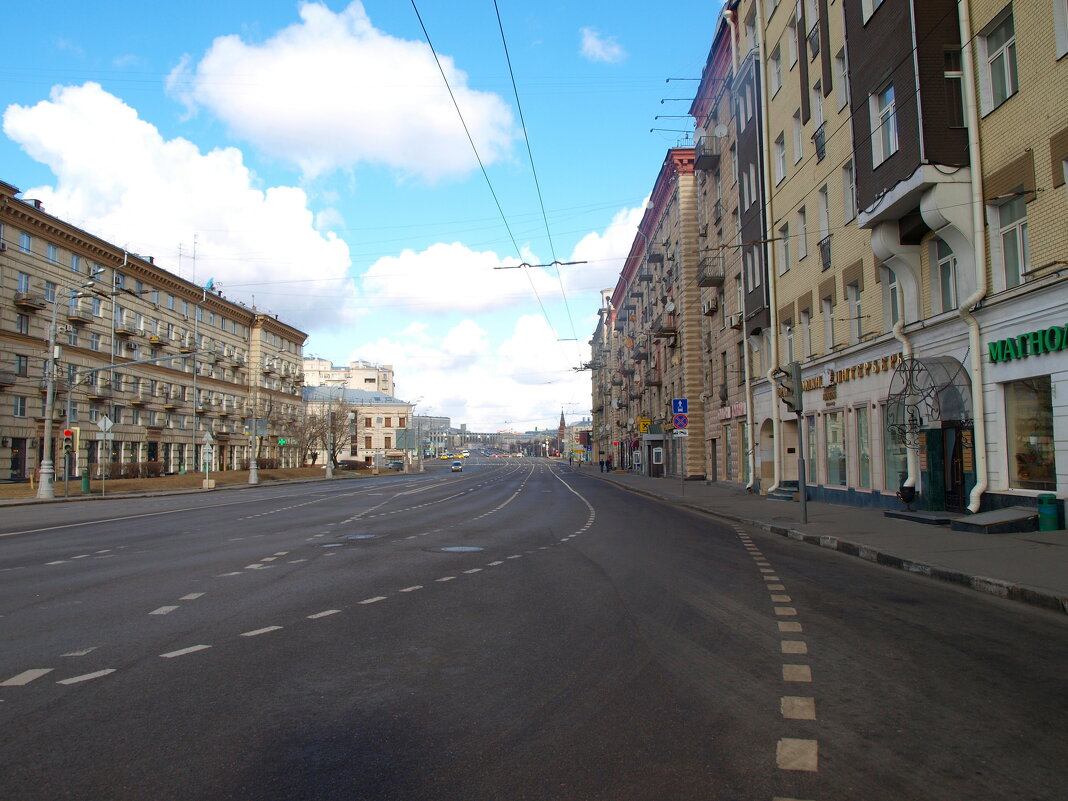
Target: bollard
1048, 517
85, 482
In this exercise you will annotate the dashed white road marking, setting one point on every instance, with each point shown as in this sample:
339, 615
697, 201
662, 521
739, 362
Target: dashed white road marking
82, 652
792, 754
25, 677
446, 578
785, 611
794, 647
474, 570
183, 651
191, 596
413, 588
163, 610
494, 564
789, 625
374, 600
87, 676
258, 632
780, 599
801, 673
797, 707
325, 613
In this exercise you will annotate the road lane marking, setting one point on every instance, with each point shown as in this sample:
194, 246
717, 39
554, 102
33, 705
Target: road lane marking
182, 652
87, 676
794, 647
413, 588
797, 707
446, 578
474, 570
163, 610
793, 754
785, 611
786, 625
780, 599
82, 652
25, 677
325, 613
258, 632
374, 600
191, 596
494, 564
801, 673
776, 587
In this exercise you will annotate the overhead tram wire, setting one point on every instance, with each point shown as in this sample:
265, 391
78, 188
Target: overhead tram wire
482, 166
533, 170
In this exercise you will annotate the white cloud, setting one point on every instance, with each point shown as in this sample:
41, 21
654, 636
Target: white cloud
118, 178
522, 383
333, 91
596, 47
452, 277
605, 252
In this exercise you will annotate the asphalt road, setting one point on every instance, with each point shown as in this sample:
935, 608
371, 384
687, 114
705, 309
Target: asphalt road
515, 631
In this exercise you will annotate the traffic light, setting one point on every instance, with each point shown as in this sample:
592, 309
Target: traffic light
791, 391
68, 440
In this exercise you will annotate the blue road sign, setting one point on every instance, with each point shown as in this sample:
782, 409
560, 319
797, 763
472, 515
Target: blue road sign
680, 406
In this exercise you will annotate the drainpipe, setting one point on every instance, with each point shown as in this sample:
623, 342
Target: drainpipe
749, 422
975, 158
729, 17
773, 312
912, 457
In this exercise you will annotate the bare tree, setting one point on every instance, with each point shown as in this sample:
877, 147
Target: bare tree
337, 421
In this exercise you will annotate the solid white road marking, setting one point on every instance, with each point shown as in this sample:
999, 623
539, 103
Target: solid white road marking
791, 754
798, 708
87, 676
191, 650
163, 610
325, 613
25, 677
258, 632
801, 673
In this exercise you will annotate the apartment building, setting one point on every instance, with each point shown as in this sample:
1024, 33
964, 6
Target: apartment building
900, 175
357, 374
148, 368
380, 427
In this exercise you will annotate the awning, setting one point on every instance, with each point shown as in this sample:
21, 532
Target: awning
925, 393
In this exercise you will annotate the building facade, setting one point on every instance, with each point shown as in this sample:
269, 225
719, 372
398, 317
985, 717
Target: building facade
145, 367
357, 374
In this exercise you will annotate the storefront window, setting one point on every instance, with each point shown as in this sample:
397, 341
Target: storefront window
1029, 416
836, 458
863, 448
745, 452
728, 452
895, 466
811, 476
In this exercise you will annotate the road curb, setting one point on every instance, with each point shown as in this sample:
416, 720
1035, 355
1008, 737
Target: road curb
1007, 590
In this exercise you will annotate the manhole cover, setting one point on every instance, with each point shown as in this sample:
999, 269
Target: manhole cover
359, 536
461, 548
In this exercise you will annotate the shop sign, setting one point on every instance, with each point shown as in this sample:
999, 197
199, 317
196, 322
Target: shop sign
1033, 343
884, 365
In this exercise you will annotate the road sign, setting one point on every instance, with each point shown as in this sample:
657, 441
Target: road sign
643, 425
207, 438
208, 452
680, 432
104, 423
680, 421
680, 406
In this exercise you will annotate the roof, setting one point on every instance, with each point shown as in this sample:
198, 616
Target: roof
359, 397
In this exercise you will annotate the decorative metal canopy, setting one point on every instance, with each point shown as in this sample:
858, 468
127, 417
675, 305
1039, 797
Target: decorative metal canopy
925, 393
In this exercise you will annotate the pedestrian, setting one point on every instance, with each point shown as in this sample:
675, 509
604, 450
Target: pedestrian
602, 465
608, 464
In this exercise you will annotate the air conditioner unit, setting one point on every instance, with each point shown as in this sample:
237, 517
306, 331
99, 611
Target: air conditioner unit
710, 306
736, 320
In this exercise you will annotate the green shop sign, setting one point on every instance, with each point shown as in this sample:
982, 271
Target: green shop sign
1033, 343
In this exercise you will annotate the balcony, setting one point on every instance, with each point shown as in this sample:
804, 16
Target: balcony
172, 402
187, 345
710, 272
101, 392
617, 381
7, 378
627, 369
645, 277
814, 40
825, 252
706, 153
156, 340
79, 317
641, 353
652, 378
665, 325
654, 258
139, 398
820, 140
123, 329
28, 301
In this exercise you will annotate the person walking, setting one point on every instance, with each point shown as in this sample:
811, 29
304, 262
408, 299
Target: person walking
602, 464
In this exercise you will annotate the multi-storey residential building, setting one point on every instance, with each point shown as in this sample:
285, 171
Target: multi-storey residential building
901, 173
146, 363
357, 374
378, 426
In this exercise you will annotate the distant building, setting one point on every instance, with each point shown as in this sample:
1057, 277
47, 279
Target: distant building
357, 374
380, 421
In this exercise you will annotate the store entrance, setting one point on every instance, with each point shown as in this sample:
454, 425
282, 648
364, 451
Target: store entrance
953, 468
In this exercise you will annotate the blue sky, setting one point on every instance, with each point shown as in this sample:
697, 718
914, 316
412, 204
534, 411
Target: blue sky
311, 156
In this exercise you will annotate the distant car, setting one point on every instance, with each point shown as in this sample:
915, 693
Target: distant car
395, 465
457, 466
444, 457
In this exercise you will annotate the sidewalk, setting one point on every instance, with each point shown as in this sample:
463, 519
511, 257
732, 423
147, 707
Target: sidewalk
1031, 567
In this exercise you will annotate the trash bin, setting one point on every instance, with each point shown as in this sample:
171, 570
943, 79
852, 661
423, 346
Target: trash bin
85, 482
1048, 513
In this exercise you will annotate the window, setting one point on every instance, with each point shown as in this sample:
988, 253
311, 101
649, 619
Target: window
784, 248
19, 406
817, 104
855, 316
802, 233
400, 422
367, 424
51, 254
780, 157
775, 68
22, 365
947, 275
75, 263
388, 442
840, 77
895, 459
24, 242
22, 324
1015, 250
797, 136
94, 341
1000, 73
884, 125
120, 281
1029, 422
72, 335
49, 291
954, 78
791, 40
806, 333
827, 304
788, 339
23, 282
734, 163
868, 7
893, 300
1060, 24
849, 198
834, 440
749, 102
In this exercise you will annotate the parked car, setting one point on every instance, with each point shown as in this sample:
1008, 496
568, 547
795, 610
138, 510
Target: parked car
457, 466
395, 465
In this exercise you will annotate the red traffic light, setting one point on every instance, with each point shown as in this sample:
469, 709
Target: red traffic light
67, 433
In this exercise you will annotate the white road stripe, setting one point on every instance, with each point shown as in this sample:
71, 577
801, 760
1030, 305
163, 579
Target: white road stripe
801, 673
163, 610
494, 564
374, 600
794, 647
25, 677
791, 754
413, 589
785, 611
325, 613
474, 570
258, 632
446, 578
191, 596
798, 708
192, 649
87, 676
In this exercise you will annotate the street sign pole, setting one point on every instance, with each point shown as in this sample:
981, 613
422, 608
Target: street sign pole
801, 468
